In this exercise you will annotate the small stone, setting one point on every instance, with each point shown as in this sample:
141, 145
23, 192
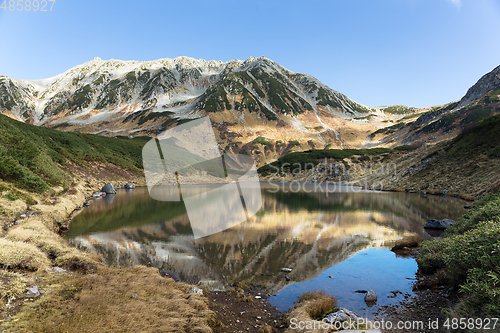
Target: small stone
134, 295
23, 216
195, 290
58, 270
361, 291
33, 290
286, 270
258, 297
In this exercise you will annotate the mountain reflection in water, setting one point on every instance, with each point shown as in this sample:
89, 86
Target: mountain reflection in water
306, 231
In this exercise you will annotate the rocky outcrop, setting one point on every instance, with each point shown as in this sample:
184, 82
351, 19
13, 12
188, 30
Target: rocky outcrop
485, 84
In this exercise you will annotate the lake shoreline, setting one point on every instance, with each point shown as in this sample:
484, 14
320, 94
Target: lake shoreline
83, 190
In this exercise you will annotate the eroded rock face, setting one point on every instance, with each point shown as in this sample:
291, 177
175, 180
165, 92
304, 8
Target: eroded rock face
488, 82
439, 224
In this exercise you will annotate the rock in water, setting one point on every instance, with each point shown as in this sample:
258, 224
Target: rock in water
439, 224
129, 186
195, 290
370, 296
108, 189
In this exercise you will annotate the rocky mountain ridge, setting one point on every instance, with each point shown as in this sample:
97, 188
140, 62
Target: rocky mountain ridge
256, 106
114, 97
485, 84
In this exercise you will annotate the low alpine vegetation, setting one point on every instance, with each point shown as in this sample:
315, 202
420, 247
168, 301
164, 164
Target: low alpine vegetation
468, 257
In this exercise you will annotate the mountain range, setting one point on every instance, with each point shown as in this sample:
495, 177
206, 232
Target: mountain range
113, 97
256, 106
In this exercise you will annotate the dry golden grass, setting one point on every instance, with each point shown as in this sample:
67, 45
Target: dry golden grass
20, 255
311, 305
35, 232
135, 299
11, 284
408, 241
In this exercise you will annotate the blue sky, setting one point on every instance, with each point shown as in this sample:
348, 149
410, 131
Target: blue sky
412, 52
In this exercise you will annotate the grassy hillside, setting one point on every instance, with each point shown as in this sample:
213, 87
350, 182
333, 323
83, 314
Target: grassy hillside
466, 163
35, 158
307, 159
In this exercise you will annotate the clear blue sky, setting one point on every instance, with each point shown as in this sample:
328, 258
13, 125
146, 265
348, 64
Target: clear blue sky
411, 52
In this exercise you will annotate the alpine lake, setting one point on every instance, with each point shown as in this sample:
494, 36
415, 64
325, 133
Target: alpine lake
333, 238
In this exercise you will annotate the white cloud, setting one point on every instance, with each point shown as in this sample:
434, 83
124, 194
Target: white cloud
457, 3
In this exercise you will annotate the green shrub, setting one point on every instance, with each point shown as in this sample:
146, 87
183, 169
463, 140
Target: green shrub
398, 109
469, 255
262, 141
11, 196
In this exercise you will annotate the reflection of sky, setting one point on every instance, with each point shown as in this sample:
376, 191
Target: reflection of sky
376, 269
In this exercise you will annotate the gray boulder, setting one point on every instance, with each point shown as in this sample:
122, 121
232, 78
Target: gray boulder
439, 224
129, 186
108, 189
340, 316
370, 296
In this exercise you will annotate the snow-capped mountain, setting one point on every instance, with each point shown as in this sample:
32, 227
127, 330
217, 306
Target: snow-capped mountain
114, 97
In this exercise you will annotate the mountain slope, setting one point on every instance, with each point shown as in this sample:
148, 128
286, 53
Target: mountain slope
35, 158
444, 122
484, 85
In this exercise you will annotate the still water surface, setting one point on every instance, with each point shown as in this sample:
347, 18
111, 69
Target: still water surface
344, 234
